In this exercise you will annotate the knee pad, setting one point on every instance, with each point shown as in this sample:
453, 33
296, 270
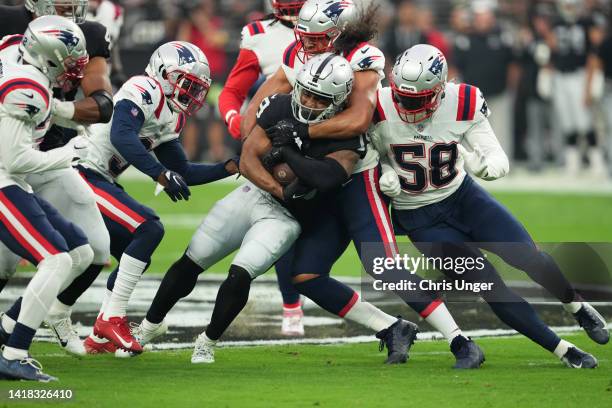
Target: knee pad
59, 265
81, 257
100, 244
238, 280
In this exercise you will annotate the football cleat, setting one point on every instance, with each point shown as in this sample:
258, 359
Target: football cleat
96, 347
292, 322
204, 350
26, 369
467, 353
66, 336
144, 334
576, 358
398, 338
116, 329
593, 323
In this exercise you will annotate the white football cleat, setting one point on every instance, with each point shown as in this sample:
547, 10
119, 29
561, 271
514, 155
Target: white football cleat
292, 322
66, 335
204, 350
145, 332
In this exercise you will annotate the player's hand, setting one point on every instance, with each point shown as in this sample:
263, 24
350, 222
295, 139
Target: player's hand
232, 166
79, 145
286, 132
475, 161
390, 184
233, 125
174, 185
62, 109
297, 191
273, 157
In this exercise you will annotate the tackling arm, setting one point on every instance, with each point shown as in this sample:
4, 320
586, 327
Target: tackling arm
255, 147
486, 160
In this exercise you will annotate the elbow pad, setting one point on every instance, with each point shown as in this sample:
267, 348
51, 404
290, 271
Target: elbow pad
105, 105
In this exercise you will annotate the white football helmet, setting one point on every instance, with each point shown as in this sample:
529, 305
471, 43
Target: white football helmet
57, 47
418, 81
322, 87
183, 72
75, 10
320, 23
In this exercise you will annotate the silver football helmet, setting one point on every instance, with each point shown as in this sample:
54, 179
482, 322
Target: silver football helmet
287, 10
320, 23
57, 47
75, 10
418, 81
183, 72
322, 88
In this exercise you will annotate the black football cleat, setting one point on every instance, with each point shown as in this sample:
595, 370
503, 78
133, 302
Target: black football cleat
398, 338
576, 358
467, 353
26, 369
593, 323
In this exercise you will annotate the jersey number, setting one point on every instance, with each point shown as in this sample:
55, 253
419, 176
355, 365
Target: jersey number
442, 161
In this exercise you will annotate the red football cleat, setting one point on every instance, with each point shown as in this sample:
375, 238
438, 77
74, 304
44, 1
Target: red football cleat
93, 347
116, 330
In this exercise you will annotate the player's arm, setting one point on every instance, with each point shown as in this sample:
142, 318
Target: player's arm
172, 156
276, 84
484, 157
356, 119
18, 156
255, 147
242, 77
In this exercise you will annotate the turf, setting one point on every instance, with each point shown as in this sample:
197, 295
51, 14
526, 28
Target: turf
548, 217
517, 373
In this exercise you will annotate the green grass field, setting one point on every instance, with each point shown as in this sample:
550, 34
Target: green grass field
548, 217
516, 374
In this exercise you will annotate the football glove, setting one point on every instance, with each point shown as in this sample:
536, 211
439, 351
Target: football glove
272, 158
285, 133
390, 183
475, 161
297, 191
174, 185
233, 124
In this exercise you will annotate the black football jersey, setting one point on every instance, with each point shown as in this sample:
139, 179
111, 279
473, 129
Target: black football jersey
573, 44
278, 107
15, 20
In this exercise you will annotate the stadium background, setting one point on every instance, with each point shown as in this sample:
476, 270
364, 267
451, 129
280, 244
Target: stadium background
555, 206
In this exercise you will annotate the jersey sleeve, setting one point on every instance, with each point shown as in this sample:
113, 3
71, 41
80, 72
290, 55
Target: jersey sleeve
250, 33
98, 39
366, 57
145, 93
10, 40
272, 110
26, 99
289, 61
471, 104
242, 77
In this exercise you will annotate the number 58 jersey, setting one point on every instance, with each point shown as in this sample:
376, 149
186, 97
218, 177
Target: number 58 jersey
161, 125
425, 155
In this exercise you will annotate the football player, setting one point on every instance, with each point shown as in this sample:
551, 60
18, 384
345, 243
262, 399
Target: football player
110, 14
261, 52
29, 226
263, 218
149, 115
361, 210
428, 131
64, 188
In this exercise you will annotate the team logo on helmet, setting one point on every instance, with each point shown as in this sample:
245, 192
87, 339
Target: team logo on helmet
335, 10
185, 54
437, 66
67, 37
146, 95
368, 61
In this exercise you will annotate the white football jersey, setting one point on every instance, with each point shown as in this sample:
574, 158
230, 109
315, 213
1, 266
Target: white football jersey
25, 95
110, 15
268, 39
425, 155
364, 57
161, 125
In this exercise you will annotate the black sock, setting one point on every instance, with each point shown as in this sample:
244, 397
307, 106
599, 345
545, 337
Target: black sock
231, 299
79, 285
178, 282
13, 312
3, 283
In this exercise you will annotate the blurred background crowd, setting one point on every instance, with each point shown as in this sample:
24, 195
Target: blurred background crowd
544, 66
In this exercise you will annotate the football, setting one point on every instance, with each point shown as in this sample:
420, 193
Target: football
283, 174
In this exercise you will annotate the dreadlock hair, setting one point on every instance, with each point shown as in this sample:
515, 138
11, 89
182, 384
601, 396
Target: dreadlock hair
363, 29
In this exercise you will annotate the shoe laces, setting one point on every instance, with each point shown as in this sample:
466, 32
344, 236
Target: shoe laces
136, 330
203, 347
123, 326
64, 329
31, 362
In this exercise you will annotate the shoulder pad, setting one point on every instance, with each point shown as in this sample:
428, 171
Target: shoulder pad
250, 31
10, 40
471, 104
25, 99
145, 92
366, 57
290, 54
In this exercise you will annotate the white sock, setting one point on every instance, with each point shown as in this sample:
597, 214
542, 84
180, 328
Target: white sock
130, 271
442, 321
369, 316
148, 326
207, 340
107, 296
58, 311
11, 353
562, 348
572, 307
8, 324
